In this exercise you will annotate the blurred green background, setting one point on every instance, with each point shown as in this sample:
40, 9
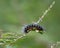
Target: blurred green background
14, 14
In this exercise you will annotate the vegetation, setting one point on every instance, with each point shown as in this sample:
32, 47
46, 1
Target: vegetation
14, 14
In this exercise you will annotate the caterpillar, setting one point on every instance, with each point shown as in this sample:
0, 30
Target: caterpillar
33, 27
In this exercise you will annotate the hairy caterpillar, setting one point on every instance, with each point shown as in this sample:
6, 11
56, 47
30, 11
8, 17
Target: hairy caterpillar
33, 27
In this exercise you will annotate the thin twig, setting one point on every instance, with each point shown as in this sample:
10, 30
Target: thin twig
46, 11
20, 37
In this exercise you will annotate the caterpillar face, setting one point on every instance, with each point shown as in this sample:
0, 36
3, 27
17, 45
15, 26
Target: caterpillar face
33, 27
